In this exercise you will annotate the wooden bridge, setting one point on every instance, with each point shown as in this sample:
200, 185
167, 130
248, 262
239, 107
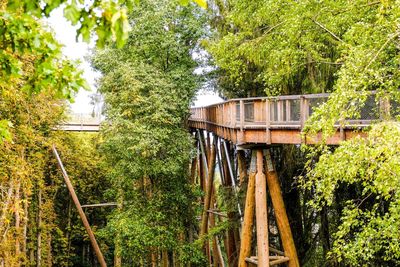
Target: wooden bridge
224, 132
81, 122
276, 120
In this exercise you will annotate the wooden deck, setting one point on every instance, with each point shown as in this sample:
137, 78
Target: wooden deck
79, 127
275, 120
81, 122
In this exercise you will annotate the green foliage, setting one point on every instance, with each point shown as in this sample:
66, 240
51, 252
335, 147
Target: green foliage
31, 60
304, 47
25, 42
107, 18
368, 229
148, 86
4, 131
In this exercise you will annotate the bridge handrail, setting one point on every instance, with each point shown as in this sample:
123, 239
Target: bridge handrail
284, 111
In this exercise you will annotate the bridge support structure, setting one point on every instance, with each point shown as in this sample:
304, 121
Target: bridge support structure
220, 164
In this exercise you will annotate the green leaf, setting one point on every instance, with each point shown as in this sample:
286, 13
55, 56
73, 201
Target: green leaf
72, 13
201, 3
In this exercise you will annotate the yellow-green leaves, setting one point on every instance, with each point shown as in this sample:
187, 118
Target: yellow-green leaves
370, 166
120, 27
202, 3
72, 12
5, 134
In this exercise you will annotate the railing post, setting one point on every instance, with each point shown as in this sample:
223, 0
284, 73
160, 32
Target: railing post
272, 110
280, 110
241, 115
303, 115
232, 107
384, 108
267, 120
288, 110
303, 111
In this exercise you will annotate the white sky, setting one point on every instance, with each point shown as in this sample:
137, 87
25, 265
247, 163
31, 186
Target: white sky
65, 34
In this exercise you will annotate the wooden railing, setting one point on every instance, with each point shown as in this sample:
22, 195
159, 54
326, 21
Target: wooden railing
289, 112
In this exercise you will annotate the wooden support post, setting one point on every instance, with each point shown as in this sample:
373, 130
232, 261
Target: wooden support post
261, 212
230, 243
220, 165
154, 257
204, 169
207, 200
247, 229
280, 212
96, 247
216, 251
242, 166
164, 256
193, 170
208, 145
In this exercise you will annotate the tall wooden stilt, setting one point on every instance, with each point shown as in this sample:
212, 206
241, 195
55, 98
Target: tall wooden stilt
193, 170
216, 251
71, 190
154, 257
208, 144
261, 212
207, 200
247, 229
242, 166
231, 249
280, 212
164, 256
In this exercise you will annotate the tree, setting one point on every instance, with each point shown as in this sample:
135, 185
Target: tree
148, 86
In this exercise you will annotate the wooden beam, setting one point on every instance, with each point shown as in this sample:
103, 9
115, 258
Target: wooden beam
280, 212
110, 204
71, 190
217, 254
261, 212
230, 243
247, 229
210, 182
275, 260
193, 171
217, 213
242, 166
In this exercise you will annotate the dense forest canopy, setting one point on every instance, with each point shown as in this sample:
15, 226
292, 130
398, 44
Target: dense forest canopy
342, 201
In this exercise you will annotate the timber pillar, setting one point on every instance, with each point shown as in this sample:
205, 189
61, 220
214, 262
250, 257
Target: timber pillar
262, 175
261, 213
280, 212
247, 229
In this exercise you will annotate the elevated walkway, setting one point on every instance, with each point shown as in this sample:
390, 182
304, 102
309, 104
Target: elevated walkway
277, 120
81, 122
